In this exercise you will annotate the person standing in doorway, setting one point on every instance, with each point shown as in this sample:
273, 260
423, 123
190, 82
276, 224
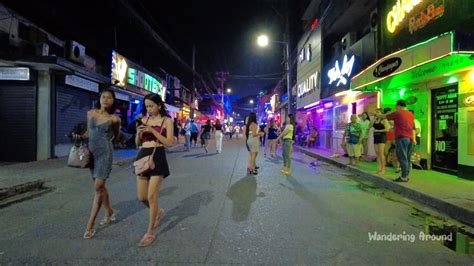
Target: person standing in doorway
218, 135
364, 127
404, 137
194, 132
206, 134
102, 128
154, 134
381, 128
353, 133
288, 137
263, 136
253, 143
417, 125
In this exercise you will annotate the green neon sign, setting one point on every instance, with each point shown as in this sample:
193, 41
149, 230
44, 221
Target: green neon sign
142, 80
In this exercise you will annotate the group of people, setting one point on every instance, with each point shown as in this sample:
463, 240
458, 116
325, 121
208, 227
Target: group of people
272, 135
395, 135
155, 131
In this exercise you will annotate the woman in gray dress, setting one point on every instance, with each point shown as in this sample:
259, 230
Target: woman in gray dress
102, 127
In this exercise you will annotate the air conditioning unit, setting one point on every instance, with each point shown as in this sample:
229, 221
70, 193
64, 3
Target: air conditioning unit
89, 62
374, 20
76, 52
348, 40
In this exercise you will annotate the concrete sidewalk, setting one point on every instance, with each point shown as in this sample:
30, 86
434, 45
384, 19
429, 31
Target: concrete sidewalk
49, 170
447, 193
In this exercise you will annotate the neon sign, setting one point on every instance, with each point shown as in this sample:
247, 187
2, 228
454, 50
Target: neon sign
431, 14
119, 69
311, 83
143, 80
469, 100
341, 74
305, 54
398, 13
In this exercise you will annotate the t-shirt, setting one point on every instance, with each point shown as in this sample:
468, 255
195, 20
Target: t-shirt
418, 126
290, 129
404, 124
364, 127
353, 129
187, 129
194, 128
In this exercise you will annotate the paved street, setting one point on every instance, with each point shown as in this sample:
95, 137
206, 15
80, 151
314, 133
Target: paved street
215, 214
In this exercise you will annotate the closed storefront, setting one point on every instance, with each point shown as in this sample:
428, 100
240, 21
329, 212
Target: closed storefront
18, 121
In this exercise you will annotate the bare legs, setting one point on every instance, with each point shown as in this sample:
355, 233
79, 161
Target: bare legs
380, 151
101, 197
148, 192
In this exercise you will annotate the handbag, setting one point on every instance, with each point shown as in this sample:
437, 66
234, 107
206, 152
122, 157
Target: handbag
79, 156
146, 164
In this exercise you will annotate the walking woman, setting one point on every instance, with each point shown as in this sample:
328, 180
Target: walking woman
253, 142
381, 127
352, 135
218, 135
206, 134
102, 127
272, 134
154, 134
364, 127
288, 137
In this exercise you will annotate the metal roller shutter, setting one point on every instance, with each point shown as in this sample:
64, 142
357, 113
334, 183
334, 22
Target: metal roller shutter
18, 121
72, 105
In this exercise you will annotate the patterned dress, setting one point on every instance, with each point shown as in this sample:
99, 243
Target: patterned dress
101, 148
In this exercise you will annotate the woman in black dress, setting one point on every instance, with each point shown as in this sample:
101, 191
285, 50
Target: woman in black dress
381, 127
206, 134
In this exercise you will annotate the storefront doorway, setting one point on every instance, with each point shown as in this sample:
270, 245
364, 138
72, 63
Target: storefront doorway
444, 119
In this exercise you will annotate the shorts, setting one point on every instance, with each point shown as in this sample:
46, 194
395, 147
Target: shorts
206, 135
159, 158
380, 138
354, 150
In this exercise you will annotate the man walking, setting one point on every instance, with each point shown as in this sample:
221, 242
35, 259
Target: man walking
194, 132
404, 137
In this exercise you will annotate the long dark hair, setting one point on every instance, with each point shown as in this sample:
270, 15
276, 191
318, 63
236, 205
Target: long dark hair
218, 122
367, 114
252, 118
114, 105
156, 99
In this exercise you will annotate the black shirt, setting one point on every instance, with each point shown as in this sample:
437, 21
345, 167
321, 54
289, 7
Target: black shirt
218, 127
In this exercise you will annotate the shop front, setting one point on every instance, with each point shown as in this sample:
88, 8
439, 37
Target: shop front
437, 83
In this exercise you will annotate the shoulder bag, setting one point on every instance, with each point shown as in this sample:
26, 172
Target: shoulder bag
79, 155
146, 164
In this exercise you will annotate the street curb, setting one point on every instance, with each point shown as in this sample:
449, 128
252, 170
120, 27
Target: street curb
457, 213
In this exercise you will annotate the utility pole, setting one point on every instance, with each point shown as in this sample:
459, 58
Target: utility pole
222, 77
193, 89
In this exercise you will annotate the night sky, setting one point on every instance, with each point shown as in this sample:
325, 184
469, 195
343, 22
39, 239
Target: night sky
224, 33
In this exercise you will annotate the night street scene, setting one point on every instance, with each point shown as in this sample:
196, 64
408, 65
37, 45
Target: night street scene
253, 132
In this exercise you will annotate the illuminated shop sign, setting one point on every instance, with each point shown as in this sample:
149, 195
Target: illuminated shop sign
387, 67
469, 100
124, 74
14, 73
341, 73
426, 16
305, 54
399, 12
308, 85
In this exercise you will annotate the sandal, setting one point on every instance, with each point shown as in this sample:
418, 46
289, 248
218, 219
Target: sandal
108, 219
160, 215
89, 233
147, 240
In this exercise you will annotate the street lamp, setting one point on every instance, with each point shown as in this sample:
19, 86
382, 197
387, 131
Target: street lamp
251, 101
229, 90
263, 41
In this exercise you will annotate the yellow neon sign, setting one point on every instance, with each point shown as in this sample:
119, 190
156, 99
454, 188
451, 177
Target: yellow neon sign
398, 13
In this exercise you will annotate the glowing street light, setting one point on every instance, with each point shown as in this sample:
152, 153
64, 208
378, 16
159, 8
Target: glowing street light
251, 101
229, 90
262, 40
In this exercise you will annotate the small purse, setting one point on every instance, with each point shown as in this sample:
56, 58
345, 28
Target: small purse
146, 164
79, 156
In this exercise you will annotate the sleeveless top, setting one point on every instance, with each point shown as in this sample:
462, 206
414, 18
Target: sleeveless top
379, 126
146, 136
218, 127
272, 133
207, 129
